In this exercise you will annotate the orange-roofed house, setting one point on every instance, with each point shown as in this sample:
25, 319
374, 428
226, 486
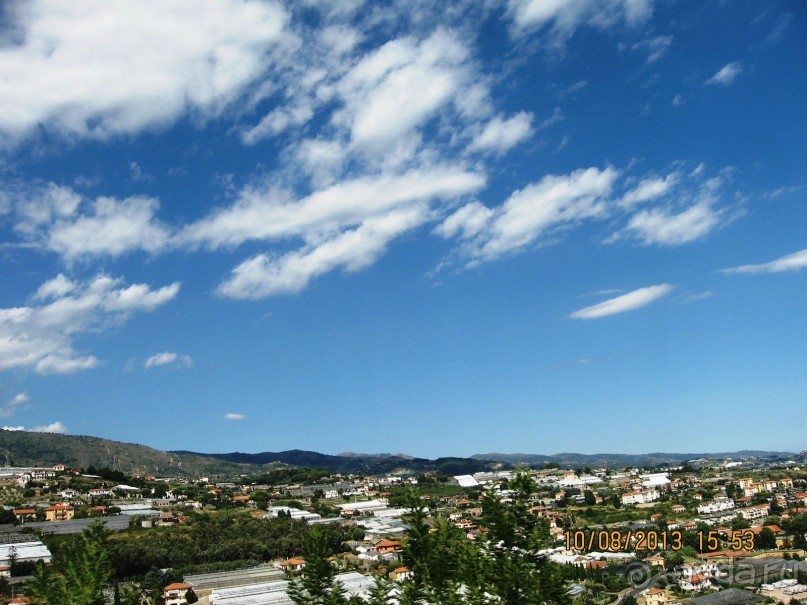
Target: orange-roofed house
654, 596
387, 546
59, 512
695, 583
291, 566
25, 514
175, 594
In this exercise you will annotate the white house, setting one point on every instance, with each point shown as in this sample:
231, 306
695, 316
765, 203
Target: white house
717, 505
643, 497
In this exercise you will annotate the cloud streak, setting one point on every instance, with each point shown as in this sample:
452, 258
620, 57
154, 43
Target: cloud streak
168, 358
792, 262
726, 75
626, 302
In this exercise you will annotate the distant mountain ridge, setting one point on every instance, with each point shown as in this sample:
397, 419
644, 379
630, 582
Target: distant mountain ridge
624, 460
373, 464
19, 448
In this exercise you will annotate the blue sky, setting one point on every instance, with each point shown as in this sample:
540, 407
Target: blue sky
502, 225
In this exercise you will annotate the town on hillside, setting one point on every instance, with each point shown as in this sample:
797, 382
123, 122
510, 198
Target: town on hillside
707, 532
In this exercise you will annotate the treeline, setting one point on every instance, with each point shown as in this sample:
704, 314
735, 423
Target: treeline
203, 542
288, 476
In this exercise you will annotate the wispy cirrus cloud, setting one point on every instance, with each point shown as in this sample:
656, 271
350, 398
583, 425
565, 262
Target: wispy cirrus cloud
792, 262
626, 302
234, 416
685, 208
168, 358
563, 18
655, 48
726, 75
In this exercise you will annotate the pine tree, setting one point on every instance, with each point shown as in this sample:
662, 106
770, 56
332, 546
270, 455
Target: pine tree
86, 571
316, 584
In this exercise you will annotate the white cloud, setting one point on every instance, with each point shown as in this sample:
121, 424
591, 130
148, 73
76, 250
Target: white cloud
40, 336
277, 121
792, 262
466, 222
114, 227
687, 216
654, 47
400, 86
167, 358
61, 220
677, 101
19, 398
499, 134
10, 407
234, 416
265, 213
352, 250
57, 287
726, 75
137, 174
649, 189
322, 160
531, 213
38, 206
101, 68
668, 228
563, 17
626, 302
556, 117
53, 427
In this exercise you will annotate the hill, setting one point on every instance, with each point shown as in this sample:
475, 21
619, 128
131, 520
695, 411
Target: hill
19, 448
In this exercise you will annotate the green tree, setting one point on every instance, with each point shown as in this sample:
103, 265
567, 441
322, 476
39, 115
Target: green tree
85, 573
513, 570
316, 585
766, 540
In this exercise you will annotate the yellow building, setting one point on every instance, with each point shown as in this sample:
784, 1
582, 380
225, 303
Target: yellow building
59, 512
